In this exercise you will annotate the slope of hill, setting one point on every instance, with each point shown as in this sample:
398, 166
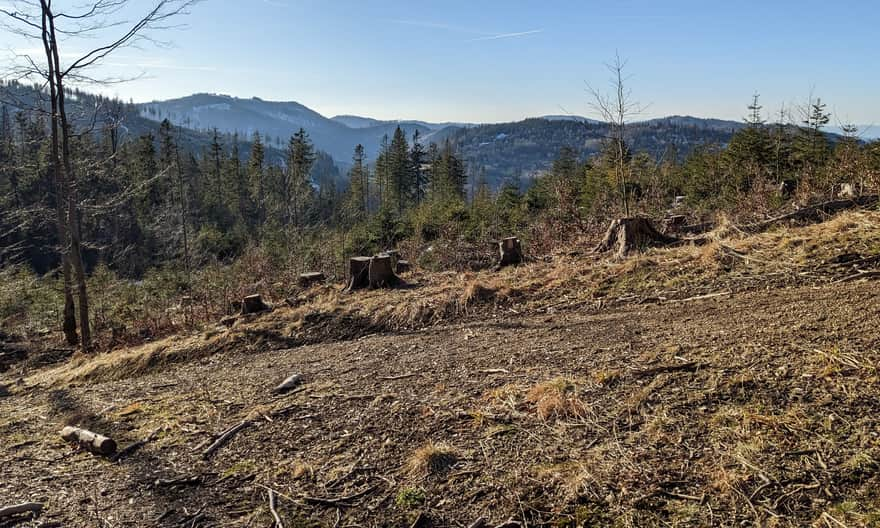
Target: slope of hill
277, 121
526, 148
684, 387
353, 121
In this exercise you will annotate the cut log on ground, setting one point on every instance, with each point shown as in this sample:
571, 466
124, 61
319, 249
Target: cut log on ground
290, 383
307, 280
510, 252
358, 273
403, 266
224, 437
381, 272
629, 235
253, 304
814, 213
98, 444
18, 509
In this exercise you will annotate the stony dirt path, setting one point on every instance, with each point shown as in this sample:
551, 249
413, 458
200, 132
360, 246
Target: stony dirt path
755, 408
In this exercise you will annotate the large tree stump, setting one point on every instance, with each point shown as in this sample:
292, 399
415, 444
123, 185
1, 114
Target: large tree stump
381, 272
403, 266
510, 252
629, 235
395, 256
308, 279
98, 444
358, 273
253, 304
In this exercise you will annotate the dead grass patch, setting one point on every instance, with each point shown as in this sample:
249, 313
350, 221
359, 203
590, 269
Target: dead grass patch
557, 399
431, 459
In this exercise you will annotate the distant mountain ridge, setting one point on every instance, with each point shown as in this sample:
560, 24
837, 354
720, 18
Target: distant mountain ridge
277, 121
519, 149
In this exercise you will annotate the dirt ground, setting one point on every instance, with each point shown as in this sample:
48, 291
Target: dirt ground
755, 408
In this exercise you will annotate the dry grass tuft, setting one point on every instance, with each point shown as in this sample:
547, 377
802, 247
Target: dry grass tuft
557, 399
431, 459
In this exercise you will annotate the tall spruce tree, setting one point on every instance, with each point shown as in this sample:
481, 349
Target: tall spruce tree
358, 182
257, 178
297, 188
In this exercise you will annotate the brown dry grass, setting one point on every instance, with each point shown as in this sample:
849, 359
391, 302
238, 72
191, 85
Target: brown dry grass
557, 399
731, 260
431, 459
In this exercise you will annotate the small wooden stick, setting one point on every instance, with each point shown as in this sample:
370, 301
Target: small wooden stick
402, 376
272, 505
224, 437
8, 511
134, 447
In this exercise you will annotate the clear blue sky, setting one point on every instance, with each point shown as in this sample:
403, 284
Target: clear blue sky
492, 60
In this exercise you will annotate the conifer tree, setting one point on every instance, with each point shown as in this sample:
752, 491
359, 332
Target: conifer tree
418, 177
400, 186
358, 181
811, 146
257, 178
297, 187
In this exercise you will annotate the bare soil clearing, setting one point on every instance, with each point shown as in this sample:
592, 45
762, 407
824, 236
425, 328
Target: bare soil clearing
759, 407
726, 385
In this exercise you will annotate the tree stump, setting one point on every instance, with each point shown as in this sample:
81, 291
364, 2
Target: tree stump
395, 257
510, 251
674, 223
358, 273
98, 444
381, 272
403, 266
253, 304
628, 235
308, 279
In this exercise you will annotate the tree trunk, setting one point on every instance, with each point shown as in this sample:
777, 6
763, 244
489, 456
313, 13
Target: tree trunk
253, 304
98, 444
307, 280
358, 273
381, 272
68, 325
69, 177
510, 252
628, 235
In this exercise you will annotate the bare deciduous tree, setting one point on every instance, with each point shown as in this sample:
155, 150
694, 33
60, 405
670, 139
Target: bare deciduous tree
40, 21
616, 109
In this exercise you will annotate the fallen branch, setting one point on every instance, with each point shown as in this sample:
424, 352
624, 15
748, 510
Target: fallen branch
338, 501
34, 507
134, 447
814, 212
859, 275
701, 297
689, 367
272, 506
183, 481
225, 437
